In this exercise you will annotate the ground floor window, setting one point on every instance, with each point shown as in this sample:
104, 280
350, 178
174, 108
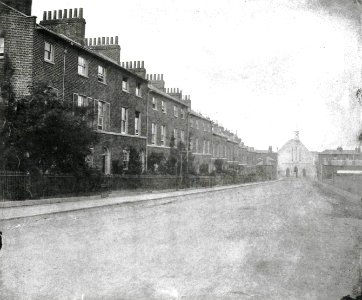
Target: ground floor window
106, 161
125, 160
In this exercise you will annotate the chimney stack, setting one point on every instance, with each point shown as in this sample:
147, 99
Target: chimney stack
72, 26
176, 92
157, 81
107, 46
137, 67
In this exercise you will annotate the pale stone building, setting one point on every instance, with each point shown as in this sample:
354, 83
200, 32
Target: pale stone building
294, 159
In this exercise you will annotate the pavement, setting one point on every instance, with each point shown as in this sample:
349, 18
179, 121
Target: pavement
27, 208
289, 239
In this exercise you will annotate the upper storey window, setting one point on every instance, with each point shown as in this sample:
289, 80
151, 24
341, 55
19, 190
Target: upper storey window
2, 47
102, 72
82, 66
48, 52
154, 103
138, 90
125, 84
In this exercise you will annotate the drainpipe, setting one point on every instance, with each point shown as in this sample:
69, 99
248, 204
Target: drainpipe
64, 61
147, 123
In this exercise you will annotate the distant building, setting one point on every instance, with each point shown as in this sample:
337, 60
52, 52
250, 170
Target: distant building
294, 159
267, 160
331, 161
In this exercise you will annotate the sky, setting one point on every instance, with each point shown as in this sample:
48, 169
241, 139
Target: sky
261, 68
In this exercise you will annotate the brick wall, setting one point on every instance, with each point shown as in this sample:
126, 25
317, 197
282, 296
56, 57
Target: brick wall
69, 23
116, 144
167, 118
201, 129
18, 32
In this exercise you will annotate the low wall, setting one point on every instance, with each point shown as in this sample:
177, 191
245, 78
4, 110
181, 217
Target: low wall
19, 186
349, 183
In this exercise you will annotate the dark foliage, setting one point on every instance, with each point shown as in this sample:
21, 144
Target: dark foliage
204, 169
219, 165
156, 162
135, 164
44, 134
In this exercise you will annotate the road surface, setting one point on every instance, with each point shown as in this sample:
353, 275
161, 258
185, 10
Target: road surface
283, 240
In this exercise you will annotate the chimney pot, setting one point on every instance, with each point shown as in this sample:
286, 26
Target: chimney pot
44, 16
86, 41
70, 13
126, 64
138, 64
161, 76
65, 15
49, 15
143, 64
81, 12
99, 41
116, 40
75, 12
112, 40
60, 14
103, 40
54, 14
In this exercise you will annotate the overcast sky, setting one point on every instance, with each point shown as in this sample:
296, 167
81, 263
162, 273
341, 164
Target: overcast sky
263, 68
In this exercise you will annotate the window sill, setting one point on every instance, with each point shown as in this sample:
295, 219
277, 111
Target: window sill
104, 83
49, 62
85, 76
139, 97
126, 91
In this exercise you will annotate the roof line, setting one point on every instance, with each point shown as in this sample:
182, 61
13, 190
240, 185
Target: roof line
194, 113
18, 11
156, 90
74, 43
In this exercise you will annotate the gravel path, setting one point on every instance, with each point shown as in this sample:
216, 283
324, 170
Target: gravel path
283, 240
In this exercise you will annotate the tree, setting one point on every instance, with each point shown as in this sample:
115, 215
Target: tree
219, 165
204, 169
171, 164
134, 164
156, 162
45, 134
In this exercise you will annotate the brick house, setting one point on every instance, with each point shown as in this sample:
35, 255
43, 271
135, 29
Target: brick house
131, 108
167, 116
219, 142
167, 112
201, 140
86, 72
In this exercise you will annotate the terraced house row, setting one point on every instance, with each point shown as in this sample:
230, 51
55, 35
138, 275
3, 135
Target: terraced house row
133, 108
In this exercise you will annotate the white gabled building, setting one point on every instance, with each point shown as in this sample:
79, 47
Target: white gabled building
294, 159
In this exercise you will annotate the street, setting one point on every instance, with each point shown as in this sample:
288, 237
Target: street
283, 240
